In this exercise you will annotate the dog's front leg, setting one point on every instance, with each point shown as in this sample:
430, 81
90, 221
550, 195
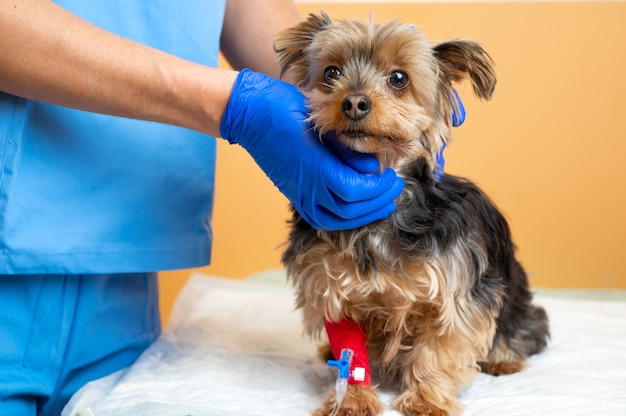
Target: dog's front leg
348, 344
433, 372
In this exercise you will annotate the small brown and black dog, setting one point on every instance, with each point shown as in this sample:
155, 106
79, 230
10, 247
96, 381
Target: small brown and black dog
435, 287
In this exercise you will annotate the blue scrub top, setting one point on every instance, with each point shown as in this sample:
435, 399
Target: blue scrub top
85, 193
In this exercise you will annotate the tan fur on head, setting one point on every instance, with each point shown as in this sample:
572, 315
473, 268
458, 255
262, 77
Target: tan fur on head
290, 45
403, 123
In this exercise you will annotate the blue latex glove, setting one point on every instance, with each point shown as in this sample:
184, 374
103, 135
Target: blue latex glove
457, 120
361, 162
267, 118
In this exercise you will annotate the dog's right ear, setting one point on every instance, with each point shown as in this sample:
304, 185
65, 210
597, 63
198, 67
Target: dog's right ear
290, 45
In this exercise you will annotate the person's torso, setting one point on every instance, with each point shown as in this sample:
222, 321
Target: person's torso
89, 193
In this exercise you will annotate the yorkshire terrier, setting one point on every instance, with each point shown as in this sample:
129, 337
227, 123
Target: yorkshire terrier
432, 294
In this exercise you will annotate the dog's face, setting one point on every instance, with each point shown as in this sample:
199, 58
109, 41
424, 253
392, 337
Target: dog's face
381, 89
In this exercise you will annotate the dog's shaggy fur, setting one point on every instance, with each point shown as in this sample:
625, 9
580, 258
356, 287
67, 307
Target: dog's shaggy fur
436, 286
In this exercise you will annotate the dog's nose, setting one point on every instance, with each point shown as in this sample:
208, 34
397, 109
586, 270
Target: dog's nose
355, 106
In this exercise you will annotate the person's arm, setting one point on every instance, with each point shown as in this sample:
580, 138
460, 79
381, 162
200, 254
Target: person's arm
248, 30
48, 54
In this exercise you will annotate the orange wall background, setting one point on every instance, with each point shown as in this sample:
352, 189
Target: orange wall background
549, 148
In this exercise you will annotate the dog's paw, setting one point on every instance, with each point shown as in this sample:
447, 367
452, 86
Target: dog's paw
358, 401
416, 406
502, 369
421, 409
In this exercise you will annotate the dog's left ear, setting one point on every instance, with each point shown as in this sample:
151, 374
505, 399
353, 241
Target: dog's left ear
462, 59
290, 45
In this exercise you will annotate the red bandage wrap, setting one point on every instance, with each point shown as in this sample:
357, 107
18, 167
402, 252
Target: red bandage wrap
347, 334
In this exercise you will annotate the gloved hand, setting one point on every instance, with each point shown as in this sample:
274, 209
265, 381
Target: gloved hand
361, 162
267, 118
458, 118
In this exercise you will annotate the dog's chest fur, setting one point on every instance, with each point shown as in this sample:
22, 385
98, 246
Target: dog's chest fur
397, 270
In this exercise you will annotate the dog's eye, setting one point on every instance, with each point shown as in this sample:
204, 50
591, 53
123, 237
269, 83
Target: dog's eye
398, 80
331, 73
